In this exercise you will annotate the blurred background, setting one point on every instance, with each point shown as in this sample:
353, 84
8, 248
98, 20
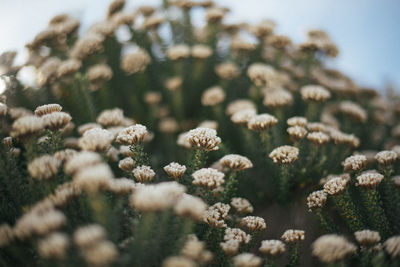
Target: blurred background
366, 31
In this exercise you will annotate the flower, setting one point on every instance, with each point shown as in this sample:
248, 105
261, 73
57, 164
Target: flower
241, 205
332, 248
27, 126
297, 132
243, 117
205, 138
316, 199
253, 223
175, 170
392, 246
111, 117
56, 120
386, 158
284, 154
213, 96
227, 70
318, 138
278, 98
272, 248
200, 51
262, 122
47, 109
126, 164
293, 236
143, 174
355, 163
44, 167
132, 135
335, 186
178, 52
247, 260
297, 121
216, 214
367, 238
135, 62
236, 234
54, 246
208, 178
314, 93
191, 207
96, 139
236, 162
353, 110
369, 179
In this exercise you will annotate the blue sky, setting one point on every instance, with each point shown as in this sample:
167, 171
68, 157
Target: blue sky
366, 31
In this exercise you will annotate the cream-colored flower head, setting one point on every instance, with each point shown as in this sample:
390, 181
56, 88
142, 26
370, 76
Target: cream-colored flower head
3, 109
44, 167
56, 120
126, 164
386, 158
111, 117
6, 235
230, 247
214, 14
100, 254
216, 214
94, 178
123, 186
241, 205
272, 248
264, 28
208, 178
318, 138
191, 207
96, 139
369, 179
236, 162
204, 138
238, 45
260, 74
54, 246
262, 122
340, 138
278, 98
183, 140
201, 51
355, 163
135, 62
157, 197
213, 96
316, 200
208, 124
317, 127
47, 109
98, 75
284, 154
297, 121
353, 110
314, 93
80, 161
243, 117
27, 126
68, 68
297, 132
247, 260
253, 223
236, 234
240, 104
279, 41
392, 246
175, 170
335, 186
178, 261
178, 52
332, 248
132, 135
227, 70
87, 126
152, 98
144, 174
174, 84
367, 238
293, 236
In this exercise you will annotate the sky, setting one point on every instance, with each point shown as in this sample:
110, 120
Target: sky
366, 31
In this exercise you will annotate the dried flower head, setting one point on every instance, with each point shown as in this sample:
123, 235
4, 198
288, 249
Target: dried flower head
247, 260
243, 117
205, 138
262, 122
98, 75
174, 84
260, 73
392, 246
297, 132
208, 178
175, 170
332, 248
178, 261
126, 164
94, 178
6, 235
241, 104
314, 93
81, 160
27, 126
335, 186
227, 70
340, 138
278, 98
297, 121
183, 140
236, 234
157, 197
201, 51
318, 138
100, 254
191, 207
111, 117
293, 236
284, 154
355, 163
208, 124
369, 179
44, 167
132, 135
213, 96
367, 238
178, 52
230, 247
135, 62
68, 68
54, 246
56, 120
279, 41
96, 139
47, 109
214, 15
216, 214
353, 110
241, 205
272, 248
253, 223
144, 174
386, 158
236, 162
240, 46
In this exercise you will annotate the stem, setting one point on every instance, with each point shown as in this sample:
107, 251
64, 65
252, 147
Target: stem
375, 212
348, 211
294, 255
